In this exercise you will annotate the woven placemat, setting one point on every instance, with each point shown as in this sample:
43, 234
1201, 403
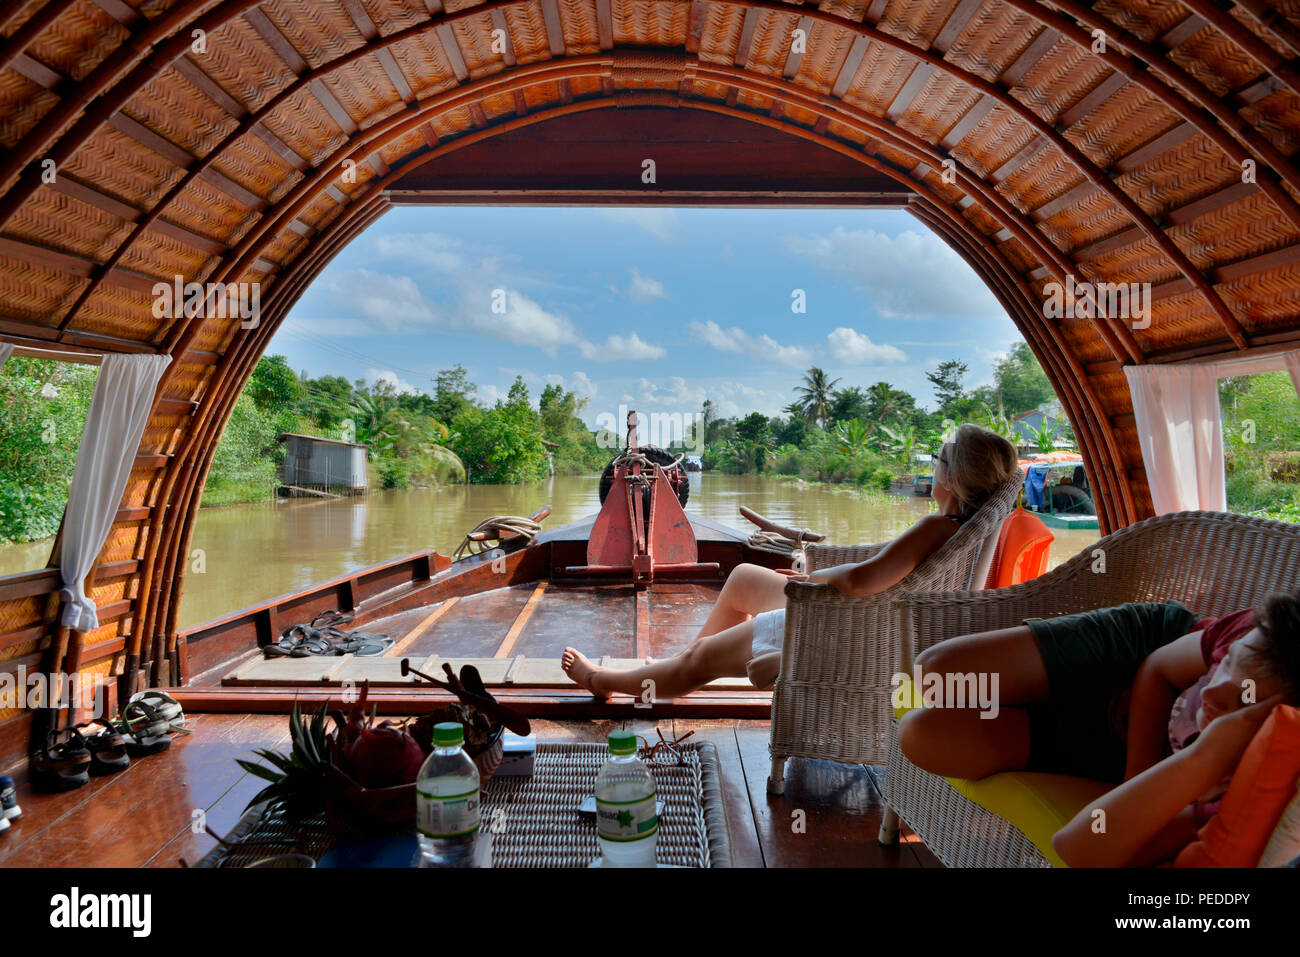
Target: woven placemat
534, 820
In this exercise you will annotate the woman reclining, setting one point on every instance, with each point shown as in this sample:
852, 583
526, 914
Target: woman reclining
749, 616
1150, 694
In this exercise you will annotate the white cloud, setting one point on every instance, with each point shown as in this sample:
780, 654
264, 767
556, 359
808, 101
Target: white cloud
436, 250
740, 342
402, 387
618, 347
856, 348
656, 221
643, 288
676, 394
395, 304
911, 275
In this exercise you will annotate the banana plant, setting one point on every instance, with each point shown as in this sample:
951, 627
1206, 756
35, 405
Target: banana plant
1045, 435
901, 441
851, 437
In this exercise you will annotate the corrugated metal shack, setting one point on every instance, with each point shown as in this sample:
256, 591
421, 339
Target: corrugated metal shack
315, 465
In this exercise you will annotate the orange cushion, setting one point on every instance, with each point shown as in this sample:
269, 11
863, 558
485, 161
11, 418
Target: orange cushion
1262, 786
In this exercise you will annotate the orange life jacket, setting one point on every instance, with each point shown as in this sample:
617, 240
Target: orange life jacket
1022, 551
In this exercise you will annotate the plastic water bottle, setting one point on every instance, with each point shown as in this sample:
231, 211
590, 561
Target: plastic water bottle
447, 796
627, 824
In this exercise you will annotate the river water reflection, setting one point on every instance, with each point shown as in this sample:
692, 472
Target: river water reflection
254, 552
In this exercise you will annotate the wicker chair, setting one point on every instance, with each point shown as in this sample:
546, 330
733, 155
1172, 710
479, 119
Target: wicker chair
1213, 562
831, 699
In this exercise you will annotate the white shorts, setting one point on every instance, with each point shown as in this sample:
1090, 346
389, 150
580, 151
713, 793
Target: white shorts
769, 631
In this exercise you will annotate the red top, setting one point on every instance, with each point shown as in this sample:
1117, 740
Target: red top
1217, 636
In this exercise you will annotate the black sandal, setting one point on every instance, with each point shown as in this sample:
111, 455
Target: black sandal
108, 753
63, 764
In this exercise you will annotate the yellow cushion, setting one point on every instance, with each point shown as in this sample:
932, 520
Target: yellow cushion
1037, 804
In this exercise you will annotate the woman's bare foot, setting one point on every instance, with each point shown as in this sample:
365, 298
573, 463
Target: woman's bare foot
582, 671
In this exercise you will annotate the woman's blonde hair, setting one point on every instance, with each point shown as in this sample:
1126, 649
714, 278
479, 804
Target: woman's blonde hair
976, 463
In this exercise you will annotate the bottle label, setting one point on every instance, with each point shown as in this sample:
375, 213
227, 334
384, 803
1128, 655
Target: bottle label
448, 816
627, 820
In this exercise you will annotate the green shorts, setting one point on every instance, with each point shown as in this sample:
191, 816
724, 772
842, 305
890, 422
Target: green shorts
1091, 660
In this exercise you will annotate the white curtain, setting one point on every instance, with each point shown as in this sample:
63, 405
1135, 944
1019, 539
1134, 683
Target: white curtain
1177, 413
114, 424
5, 349
1180, 429
1292, 361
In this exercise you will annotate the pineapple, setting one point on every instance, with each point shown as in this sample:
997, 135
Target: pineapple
298, 781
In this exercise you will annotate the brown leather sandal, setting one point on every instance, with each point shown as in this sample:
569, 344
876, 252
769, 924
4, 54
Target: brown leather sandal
107, 748
63, 764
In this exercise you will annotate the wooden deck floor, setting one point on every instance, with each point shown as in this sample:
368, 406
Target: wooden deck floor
142, 817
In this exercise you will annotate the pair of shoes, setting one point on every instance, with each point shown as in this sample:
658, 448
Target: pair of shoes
9, 800
108, 753
63, 764
148, 720
304, 641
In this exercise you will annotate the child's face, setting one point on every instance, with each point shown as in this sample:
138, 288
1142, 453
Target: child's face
1240, 671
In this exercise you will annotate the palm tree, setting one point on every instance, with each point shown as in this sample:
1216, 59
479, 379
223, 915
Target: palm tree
814, 396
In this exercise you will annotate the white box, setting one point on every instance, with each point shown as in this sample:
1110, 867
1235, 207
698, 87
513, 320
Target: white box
517, 755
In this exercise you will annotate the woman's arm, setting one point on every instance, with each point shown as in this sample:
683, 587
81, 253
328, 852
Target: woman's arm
891, 564
1164, 674
1119, 827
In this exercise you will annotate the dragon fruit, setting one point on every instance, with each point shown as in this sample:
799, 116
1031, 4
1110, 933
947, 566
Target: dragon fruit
375, 756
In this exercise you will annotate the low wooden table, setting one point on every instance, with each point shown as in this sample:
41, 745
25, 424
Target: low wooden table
534, 821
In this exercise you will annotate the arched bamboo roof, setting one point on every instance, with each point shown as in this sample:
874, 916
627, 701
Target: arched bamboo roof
1035, 149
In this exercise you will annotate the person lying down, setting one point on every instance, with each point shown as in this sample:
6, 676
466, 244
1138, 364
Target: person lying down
748, 618
1148, 694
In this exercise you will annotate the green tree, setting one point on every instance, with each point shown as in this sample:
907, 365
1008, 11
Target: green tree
753, 428
815, 395
452, 393
947, 382
849, 403
502, 444
274, 386
1021, 382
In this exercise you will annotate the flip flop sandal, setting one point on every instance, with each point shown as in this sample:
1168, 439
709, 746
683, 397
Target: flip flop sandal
365, 645
151, 737
329, 619
63, 764
314, 645
107, 749
168, 708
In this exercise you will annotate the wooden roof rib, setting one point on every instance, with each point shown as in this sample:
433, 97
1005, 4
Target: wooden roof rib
227, 164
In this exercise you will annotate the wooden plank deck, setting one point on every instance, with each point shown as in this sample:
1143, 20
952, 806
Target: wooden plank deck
526, 626
143, 816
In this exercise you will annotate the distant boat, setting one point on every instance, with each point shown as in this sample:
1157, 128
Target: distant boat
922, 486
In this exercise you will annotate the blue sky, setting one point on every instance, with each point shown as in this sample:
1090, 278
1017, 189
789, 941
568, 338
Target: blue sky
656, 309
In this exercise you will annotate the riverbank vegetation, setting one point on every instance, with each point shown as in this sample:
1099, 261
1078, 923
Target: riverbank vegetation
866, 435
873, 435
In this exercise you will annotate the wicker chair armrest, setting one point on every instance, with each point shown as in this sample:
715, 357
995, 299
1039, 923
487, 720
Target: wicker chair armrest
828, 556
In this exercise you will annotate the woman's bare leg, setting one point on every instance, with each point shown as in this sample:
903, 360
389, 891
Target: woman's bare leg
965, 741
723, 655
748, 590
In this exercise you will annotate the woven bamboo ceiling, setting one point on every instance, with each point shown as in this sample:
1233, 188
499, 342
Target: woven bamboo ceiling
245, 141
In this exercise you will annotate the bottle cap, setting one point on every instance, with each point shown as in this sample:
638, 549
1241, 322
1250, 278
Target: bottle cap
622, 742
448, 734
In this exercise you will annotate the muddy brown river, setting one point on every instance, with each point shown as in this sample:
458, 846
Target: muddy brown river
249, 553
